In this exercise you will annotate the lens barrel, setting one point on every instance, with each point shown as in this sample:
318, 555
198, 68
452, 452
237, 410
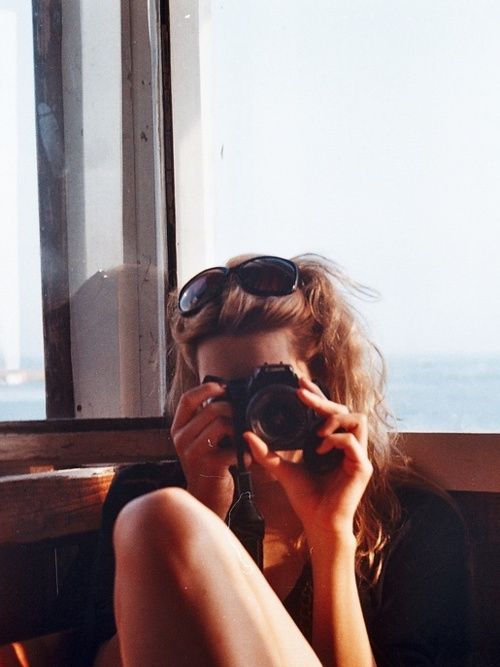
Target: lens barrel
276, 414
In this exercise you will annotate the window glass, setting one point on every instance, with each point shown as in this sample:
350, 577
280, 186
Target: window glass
89, 261
22, 392
366, 131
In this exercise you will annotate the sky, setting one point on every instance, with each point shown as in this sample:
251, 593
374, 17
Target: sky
20, 290
367, 131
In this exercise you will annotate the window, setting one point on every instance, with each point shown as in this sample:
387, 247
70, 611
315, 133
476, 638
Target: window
311, 150
22, 393
368, 132
100, 257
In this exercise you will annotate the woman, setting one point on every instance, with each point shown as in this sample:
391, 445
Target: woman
363, 564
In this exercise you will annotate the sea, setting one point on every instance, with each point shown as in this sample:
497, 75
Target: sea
426, 393
445, 393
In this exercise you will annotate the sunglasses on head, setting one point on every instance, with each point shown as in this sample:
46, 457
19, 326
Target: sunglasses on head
261, 276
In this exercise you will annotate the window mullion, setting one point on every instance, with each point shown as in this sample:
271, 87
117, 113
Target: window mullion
47, 22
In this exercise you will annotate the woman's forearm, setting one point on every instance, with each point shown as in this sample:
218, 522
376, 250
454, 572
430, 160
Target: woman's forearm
340, 637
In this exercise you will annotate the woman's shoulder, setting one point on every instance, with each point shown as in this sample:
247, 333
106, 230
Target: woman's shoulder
420, 605
426, 505
431, 531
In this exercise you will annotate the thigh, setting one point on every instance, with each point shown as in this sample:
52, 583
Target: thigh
231, 609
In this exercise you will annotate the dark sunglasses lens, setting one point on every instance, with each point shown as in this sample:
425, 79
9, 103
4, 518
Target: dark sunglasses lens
200, 290
268, 276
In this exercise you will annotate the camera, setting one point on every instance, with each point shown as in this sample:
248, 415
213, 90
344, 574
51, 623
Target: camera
266, 403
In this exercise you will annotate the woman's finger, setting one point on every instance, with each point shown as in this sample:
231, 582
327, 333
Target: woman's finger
193, 400
260, 450
211, 413
319, 403
351, 437
347, 442
357, 424
268, 458
311, 386
355, 461
352, 422
206, 443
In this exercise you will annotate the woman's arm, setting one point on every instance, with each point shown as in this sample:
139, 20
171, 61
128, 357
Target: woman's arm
339, 632
326, 505
199, 424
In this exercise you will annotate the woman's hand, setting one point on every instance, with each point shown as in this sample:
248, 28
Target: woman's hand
197, 429
325, 503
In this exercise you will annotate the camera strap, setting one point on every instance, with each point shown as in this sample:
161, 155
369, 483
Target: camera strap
244, 519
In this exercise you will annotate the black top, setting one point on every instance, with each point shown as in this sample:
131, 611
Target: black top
417, 614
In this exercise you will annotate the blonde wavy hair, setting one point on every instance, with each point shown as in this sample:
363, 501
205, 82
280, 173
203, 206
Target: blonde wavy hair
328, 335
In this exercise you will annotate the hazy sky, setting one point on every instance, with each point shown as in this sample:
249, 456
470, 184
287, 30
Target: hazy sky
20, 292
368, 131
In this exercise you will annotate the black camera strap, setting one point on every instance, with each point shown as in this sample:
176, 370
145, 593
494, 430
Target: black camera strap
244, 518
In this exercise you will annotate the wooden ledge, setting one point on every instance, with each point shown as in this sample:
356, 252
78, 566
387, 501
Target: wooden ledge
42, 506
48, 505
75, 442
457, 461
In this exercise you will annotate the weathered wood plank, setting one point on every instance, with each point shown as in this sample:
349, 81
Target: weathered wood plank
20, 450
458, 461
44, 505
48, 505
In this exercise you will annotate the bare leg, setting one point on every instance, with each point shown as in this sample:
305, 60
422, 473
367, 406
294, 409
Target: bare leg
187, 593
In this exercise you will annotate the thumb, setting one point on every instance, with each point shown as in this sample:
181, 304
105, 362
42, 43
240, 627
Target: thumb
281, 469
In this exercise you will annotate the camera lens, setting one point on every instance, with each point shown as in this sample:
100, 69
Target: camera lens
276, 414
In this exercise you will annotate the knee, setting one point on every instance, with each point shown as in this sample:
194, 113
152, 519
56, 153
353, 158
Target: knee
162, 521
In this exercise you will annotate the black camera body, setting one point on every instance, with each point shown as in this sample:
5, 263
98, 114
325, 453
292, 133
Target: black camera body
266, 403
